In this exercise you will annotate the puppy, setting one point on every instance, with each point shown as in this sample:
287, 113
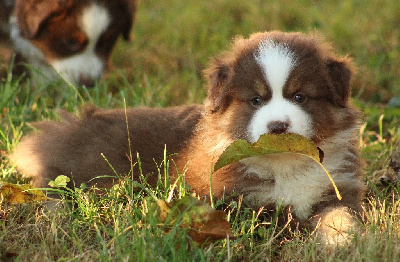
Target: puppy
272, 82
74, 37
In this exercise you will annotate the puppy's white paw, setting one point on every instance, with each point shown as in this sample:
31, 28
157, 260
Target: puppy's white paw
335, 226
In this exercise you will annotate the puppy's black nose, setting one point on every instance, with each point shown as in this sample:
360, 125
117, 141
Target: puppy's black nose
86, 81
278, 127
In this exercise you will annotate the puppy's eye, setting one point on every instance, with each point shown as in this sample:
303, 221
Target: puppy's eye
256, 101
300, 98
72, 45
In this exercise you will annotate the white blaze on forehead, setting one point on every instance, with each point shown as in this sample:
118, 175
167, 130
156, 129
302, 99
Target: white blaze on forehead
277, 60
95, 20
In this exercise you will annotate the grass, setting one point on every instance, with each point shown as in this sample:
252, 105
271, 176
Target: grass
173, 41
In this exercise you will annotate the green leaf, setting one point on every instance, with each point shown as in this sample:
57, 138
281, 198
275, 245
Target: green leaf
265, 145
273, 144
237, 151
60, 181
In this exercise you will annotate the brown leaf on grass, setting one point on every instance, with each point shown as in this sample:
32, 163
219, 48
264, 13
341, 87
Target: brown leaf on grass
20, 194
212, 228
204, 222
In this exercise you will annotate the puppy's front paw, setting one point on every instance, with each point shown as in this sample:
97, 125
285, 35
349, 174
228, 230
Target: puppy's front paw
335, 226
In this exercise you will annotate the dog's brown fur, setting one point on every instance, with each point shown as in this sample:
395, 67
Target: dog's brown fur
79, 147
6, 49
60, 21
199, 134
45, 31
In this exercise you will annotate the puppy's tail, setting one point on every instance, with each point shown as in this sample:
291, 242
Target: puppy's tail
34, 153
62, 148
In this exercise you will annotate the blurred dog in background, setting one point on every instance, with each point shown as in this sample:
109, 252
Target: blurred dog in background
6, 50
73, 38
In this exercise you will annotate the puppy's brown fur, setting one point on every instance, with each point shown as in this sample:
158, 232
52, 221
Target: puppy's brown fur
199, 134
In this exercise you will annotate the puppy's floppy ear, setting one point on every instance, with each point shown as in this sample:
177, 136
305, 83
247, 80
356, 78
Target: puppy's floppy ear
217, 75
31, 14
340, 72
126, 13
130, 7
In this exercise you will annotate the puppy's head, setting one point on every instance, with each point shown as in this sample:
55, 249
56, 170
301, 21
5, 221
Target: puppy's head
75, 37
280, 83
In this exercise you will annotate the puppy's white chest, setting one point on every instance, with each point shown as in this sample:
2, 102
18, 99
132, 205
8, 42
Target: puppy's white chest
291, 179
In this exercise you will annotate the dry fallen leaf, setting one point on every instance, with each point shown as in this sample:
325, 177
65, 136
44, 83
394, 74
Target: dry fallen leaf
20, 194
273, 144
204, 222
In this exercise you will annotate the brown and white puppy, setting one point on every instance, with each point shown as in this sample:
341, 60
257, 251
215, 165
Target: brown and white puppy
74, 37
272, 82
